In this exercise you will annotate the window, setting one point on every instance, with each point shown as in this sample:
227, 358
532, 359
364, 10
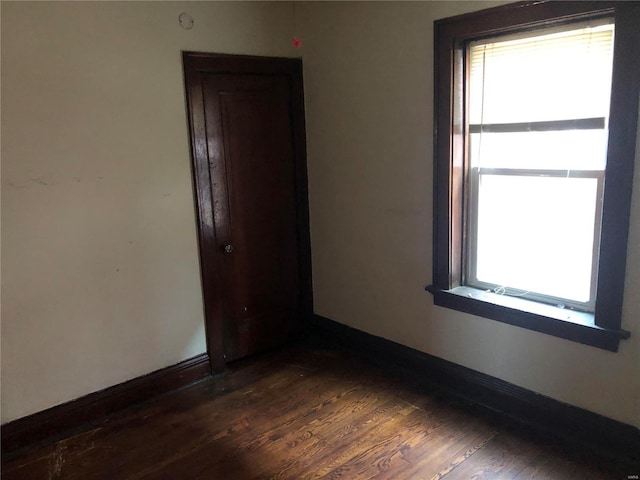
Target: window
536, 110
536, 162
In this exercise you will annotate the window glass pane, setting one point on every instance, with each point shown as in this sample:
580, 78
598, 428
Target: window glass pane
536, 234
559, 150
557, 76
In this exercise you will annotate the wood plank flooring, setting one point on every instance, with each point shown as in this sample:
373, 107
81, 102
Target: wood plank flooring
305, 413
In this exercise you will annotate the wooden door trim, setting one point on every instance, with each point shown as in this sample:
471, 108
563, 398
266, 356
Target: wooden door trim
194, 64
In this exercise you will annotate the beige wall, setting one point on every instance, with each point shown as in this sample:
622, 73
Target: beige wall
100, 275
369, 103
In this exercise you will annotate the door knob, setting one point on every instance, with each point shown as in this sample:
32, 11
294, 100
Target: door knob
228, 248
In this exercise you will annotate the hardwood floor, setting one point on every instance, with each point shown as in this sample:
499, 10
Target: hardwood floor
308, 412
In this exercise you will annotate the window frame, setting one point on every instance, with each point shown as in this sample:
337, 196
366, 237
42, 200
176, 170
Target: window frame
451, 179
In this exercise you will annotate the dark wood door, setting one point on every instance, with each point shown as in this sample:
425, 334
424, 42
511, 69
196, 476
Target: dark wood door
247, 133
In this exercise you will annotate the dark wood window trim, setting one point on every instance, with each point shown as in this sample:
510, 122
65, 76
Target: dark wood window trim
450, 169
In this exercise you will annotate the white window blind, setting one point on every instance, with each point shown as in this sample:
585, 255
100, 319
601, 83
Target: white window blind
554, 76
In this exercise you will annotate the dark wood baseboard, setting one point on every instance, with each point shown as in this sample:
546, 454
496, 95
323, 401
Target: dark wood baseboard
607, 436
76, 415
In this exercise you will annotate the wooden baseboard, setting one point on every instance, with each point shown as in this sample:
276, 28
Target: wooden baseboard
83, 412
610, 437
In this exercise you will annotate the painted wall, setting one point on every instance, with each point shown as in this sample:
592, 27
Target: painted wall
100, 274
369, 103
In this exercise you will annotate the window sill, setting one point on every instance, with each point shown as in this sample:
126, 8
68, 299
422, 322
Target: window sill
564, 323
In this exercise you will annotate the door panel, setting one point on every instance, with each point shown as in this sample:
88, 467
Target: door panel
246, 120
250, 140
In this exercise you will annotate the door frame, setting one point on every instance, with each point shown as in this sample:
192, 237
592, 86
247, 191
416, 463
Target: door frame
195, 64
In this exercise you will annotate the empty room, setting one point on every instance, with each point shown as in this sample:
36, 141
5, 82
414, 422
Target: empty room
297, 240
